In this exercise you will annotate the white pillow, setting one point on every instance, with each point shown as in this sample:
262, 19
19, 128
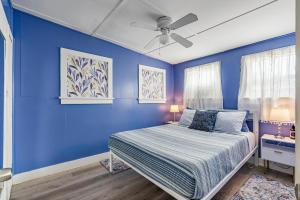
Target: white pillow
230, 122
187, 117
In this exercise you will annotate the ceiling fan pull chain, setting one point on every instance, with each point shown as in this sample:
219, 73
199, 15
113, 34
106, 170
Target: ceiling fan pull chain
159, 48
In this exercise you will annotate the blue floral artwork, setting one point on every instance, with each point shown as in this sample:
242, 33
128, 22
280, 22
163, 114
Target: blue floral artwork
85, 78
152, 85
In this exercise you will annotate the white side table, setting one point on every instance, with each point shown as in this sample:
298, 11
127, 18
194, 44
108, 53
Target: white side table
280, 150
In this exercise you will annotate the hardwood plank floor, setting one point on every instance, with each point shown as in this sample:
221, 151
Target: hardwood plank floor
93, 182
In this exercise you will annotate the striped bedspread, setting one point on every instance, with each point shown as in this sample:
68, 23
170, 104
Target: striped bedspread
190, 162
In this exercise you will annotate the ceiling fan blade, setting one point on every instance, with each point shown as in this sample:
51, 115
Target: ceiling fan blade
151, 43
189, 18
181, 40
143, 26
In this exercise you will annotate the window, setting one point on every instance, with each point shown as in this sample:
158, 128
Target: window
268, 81
202, 87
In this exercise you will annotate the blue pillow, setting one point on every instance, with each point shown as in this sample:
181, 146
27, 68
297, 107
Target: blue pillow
245, 127
204, 120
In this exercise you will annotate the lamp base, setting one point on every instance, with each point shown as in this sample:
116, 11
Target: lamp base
279, 136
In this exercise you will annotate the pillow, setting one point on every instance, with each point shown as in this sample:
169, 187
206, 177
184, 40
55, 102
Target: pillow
204, 120
245, 127
187, 117
230, 122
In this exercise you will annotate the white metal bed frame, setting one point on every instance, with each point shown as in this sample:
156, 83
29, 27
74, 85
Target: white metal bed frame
214, 191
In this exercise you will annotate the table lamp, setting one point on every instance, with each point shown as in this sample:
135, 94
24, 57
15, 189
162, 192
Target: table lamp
174, 109
279, 116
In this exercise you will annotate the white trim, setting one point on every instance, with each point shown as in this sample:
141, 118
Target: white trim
85, 100
6, 188
152, 101
63, 76
7, 114
177, 196
118, 5
297, 150
144, 100
61, 167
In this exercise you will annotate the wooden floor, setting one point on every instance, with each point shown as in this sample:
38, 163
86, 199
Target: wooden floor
95, 183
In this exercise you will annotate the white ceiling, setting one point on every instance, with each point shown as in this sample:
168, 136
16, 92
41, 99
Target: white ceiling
110, 19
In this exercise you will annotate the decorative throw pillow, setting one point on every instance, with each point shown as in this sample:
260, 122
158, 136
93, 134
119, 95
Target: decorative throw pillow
230, 122
245, 127
187, 117
204, 120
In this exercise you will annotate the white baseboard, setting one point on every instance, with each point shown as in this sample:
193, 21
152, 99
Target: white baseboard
61, 167
6, 188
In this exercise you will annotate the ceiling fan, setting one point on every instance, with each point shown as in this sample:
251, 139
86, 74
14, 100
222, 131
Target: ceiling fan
165, 26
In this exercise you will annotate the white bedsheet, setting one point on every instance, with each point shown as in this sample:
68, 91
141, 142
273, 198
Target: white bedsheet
251, 139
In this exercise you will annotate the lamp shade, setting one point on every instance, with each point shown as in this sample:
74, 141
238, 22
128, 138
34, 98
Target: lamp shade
280, 115
174, 108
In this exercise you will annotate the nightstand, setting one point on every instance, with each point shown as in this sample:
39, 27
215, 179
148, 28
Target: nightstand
172, 122
280, 150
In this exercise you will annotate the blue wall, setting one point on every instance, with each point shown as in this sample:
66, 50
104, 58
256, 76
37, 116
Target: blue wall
46, 132
230, 68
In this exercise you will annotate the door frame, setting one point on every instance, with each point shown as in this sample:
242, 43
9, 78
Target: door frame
8, 102
7, 125
297, 165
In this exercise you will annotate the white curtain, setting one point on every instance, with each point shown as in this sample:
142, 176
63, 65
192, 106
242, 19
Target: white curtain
202, 87
268, 81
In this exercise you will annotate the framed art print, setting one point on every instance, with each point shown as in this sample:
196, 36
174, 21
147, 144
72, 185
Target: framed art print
85, 78
152, 85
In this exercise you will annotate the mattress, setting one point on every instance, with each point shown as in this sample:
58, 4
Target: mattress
190, 162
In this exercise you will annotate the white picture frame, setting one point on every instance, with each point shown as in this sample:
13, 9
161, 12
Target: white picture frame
85, 78
152, 85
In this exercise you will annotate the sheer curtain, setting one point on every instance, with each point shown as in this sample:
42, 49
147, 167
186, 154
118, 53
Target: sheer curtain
202, 87
268, 81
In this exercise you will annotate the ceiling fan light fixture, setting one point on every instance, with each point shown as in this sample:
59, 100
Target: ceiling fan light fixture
164, 39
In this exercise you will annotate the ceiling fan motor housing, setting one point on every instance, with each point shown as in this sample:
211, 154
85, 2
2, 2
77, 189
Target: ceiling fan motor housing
164, 22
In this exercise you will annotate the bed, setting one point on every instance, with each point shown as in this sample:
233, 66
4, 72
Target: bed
186, 163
